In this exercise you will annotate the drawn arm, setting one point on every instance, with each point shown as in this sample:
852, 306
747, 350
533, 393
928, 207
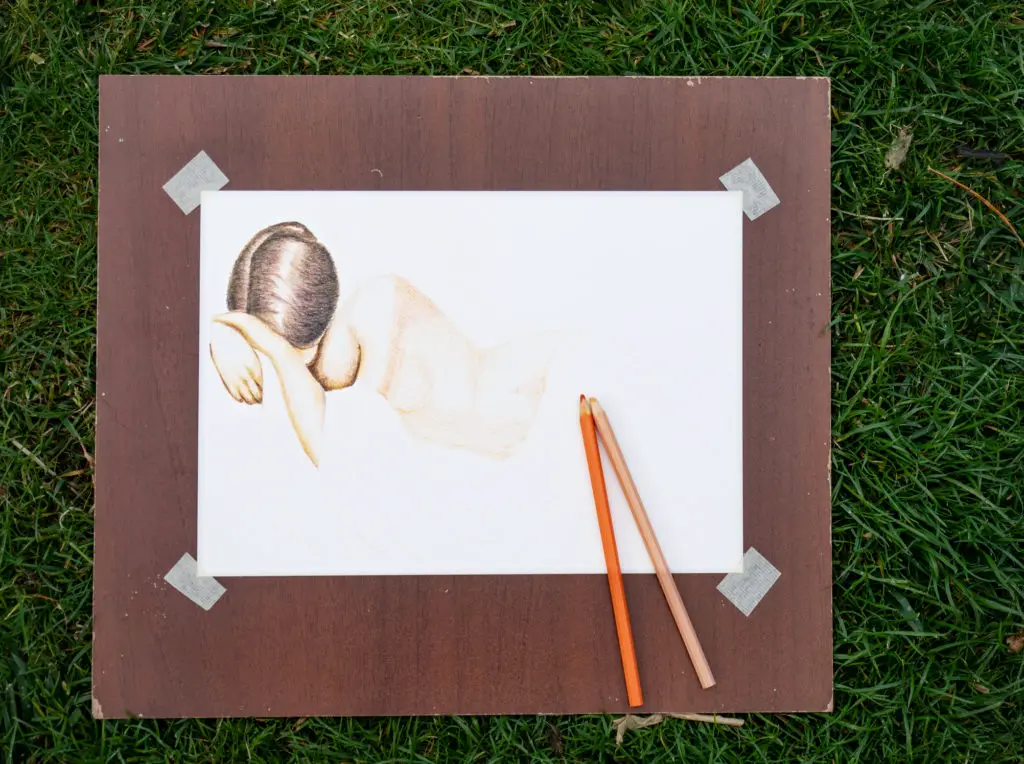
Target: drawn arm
237, 363
303, 394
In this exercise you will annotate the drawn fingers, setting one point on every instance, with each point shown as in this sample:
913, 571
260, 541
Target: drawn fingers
255, 371
246, 395
242, 385
252, 392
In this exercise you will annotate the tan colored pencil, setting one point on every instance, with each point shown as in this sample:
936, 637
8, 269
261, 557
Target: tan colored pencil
668, 584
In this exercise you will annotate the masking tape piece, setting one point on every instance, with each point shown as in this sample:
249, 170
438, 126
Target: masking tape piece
745, 590
202, 590
758, 196
199, 175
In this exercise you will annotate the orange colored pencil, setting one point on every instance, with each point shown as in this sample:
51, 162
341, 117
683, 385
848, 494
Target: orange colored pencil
611, 556
668, 584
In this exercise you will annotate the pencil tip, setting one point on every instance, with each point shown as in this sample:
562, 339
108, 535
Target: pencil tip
584, 406
595, 406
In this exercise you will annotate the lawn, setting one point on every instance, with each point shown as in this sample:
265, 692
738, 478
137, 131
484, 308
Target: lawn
927, 372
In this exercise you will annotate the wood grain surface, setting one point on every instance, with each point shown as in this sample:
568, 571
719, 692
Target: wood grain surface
440, 645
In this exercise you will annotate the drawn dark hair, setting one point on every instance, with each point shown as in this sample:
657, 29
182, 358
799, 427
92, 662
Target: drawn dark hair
286, 278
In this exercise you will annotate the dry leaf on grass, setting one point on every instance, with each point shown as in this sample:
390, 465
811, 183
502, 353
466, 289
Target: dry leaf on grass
630, 722
1015, 642
898, 150
555, 739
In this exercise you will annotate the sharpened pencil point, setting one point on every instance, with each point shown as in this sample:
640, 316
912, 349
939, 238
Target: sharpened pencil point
584, 405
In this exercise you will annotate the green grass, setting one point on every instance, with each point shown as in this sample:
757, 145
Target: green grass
927, 332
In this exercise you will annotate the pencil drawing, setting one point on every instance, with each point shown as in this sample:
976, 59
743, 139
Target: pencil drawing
283, 303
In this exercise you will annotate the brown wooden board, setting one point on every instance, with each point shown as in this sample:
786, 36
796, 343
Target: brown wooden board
440, 645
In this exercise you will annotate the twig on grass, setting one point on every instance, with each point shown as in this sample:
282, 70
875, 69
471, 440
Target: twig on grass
983, 200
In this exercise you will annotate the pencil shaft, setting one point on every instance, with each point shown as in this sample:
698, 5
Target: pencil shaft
661, 569
611, 559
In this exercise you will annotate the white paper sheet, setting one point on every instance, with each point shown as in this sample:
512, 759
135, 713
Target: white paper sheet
642, 294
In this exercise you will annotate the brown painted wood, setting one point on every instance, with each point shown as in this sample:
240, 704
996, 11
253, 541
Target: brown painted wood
406, 645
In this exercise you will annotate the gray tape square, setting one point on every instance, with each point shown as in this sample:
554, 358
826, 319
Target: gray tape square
758, 196
745, 590
199, 175
202, 590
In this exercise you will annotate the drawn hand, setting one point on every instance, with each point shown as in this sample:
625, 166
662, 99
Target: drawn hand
237, 363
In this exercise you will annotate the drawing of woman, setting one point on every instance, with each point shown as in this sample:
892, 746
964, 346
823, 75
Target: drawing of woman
283, 303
